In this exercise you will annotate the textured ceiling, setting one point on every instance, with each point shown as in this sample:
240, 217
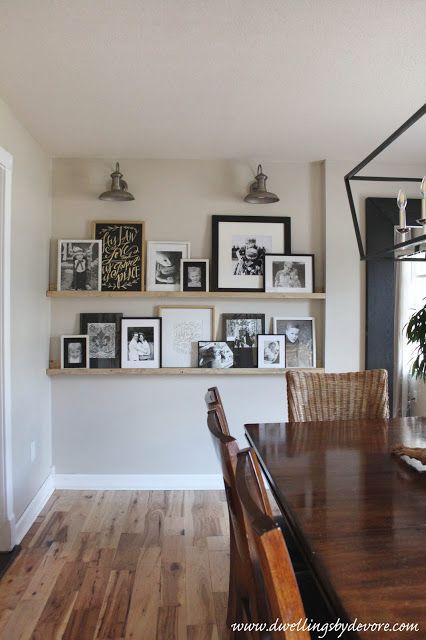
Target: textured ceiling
265, 79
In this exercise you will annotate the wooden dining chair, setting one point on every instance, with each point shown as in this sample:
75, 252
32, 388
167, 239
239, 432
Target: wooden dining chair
277, 575
313, 396
214, 401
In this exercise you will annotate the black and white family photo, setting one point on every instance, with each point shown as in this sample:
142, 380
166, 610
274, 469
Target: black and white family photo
248, 253
289, 273
140, 344
79, 265
299, 340
241, 331
215, 355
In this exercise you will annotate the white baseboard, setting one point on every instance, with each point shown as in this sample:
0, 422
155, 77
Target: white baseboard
152, 482
36, 505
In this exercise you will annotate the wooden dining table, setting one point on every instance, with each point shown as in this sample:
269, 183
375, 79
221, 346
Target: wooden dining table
357, 513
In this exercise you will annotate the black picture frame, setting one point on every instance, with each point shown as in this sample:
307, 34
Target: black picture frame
83, 340
86, 319
186, 264
246, 221
245, 356
289, 256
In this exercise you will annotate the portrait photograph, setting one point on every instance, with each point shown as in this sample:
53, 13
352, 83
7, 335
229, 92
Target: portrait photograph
300, 351
74, 352
239, 246
194, 275
271, 351
163, 265
289, 274
104, 331
240, 331
183, 327
141, 343
79, 265
215, 355
123, 254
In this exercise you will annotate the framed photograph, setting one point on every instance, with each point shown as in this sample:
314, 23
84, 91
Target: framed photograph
183, 328
163, 265
270, 351
123, 255
289, 274
239, 246
240, 331
194, 275
79, 265
104, 331
300, 340
141, 343
215, 355
75, 352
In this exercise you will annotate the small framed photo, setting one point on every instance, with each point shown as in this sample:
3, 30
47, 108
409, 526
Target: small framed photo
123, 254
289, 273
79, 265
163, 264
104, 330
215, 355
75, 352
270, 351
183, 328
299, 334
194, 275
141, 343
240, 331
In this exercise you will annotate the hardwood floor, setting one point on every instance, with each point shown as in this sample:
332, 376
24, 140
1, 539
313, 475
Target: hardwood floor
121, 565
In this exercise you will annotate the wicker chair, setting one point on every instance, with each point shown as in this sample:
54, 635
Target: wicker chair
337, 396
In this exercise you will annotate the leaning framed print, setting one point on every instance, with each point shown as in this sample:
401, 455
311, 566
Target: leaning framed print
240, 331
104, 330
239, 244
123, 254
79, 265
289, 273
300, 350
270, 351
183, 328
194, 275
75, 352
141, 343
163, 264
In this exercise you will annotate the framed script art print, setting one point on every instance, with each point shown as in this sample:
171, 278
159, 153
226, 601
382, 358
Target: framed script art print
79, 265
239, 244
163, 264
141, 343
194, 275
289, 274
182, 329
299, 340
74, 352
104, 331
123, 261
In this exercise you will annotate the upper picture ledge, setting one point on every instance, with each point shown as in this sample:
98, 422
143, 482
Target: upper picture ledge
187, 294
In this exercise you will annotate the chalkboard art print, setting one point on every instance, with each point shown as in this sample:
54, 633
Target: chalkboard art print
79, 265
123, 259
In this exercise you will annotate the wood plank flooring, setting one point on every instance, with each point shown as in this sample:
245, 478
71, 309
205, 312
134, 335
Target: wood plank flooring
121, 565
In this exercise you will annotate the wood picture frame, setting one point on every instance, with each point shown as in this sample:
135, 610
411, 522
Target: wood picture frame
183, 327
123, 254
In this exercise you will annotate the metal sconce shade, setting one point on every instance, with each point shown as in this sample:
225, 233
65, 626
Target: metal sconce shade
258, 193
118, 192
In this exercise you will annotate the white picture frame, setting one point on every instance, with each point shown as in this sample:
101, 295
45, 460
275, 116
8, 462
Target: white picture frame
285, 273
183, 327
163, 264
141, 353
271, 351
200, 282
300, 344
79, 265
71, 357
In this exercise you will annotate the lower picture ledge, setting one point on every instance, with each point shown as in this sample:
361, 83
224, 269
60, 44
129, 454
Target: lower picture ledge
56, 371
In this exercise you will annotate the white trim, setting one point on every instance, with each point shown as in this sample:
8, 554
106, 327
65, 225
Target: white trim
36, 505
152, 482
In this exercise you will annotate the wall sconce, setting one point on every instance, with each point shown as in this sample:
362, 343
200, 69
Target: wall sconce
258, 193
118, 192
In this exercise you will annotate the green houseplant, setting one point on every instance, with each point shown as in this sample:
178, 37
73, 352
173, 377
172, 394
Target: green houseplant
416, 334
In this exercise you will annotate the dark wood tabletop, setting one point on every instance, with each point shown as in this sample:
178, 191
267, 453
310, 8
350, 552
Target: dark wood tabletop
358, 513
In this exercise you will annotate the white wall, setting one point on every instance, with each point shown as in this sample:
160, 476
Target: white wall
157, 425
30, 310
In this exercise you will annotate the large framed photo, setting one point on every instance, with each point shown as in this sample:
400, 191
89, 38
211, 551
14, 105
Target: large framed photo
75, 352
163, 265
215, 355
141, 343
183, 328
79, 265
289, 274
194, 275
270, 351
300, 340
239, 244
104, 330
123, 259
240, 331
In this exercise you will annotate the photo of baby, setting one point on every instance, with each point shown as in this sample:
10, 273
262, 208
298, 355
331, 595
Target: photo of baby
194, 275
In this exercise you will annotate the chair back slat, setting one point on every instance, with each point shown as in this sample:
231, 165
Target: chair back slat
214, 401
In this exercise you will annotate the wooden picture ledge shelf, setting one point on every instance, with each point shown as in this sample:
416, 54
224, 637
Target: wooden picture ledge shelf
248, 295
170, 372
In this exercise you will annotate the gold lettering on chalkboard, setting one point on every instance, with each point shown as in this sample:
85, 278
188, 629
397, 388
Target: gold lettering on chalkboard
121, 255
